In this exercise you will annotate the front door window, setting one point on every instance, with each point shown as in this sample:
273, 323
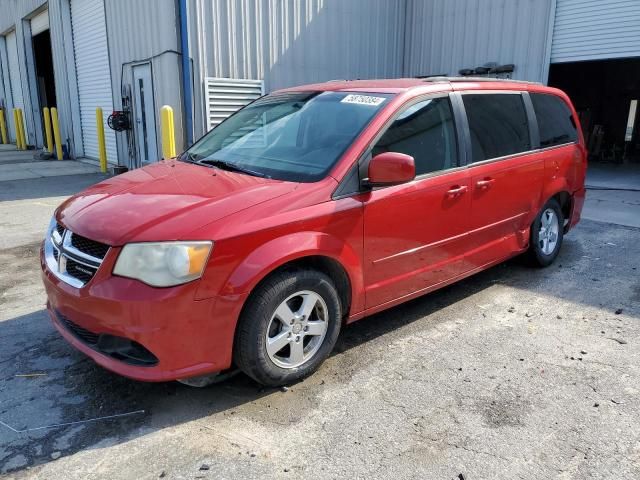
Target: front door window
425, 131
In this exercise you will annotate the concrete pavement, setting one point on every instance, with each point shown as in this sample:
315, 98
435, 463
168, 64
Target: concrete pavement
21, 165
30, 190
607, 175
613, 206
613, 194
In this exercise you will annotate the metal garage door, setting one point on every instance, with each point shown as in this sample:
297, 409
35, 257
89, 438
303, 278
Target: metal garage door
40, 23
595, 29
92, 72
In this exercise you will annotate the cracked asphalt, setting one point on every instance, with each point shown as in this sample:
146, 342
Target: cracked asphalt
515, 373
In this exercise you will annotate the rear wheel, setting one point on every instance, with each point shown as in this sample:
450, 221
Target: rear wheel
288, 327
546, 235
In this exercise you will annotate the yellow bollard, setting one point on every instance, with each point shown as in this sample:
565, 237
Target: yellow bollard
23, 130
3, 127
15, 127
168, 135
19, 131
102, 149
47, 129
56, 132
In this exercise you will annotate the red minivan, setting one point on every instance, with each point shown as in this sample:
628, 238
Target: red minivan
308, 209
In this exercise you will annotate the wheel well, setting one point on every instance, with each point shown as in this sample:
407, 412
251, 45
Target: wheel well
564, 200
330, 267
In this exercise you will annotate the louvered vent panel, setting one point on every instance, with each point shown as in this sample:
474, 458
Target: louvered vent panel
226, 96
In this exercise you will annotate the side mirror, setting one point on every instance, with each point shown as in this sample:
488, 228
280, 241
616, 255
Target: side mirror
391, 168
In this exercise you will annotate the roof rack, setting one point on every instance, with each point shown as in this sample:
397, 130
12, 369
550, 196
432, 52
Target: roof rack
475, 79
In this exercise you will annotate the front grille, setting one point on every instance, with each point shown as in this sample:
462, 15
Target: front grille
86, 336
73, 258
89, 247
80, 271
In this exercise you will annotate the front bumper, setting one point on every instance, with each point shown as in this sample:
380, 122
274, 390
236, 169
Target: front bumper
186, 337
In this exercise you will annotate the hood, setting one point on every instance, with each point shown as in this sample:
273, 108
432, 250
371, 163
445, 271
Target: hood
164, 201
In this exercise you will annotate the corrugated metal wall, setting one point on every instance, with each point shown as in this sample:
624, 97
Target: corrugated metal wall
12, 10
444, 36
13, 62
596, 29
12, 13
289, 42
5, 86
145, 31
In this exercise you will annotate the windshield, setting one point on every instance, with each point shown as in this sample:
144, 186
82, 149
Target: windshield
295, 136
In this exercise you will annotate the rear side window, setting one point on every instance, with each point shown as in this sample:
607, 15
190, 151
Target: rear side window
425, 131
498, 125
555, 122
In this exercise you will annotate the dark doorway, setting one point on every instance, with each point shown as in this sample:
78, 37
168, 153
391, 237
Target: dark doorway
44, 69
603, 92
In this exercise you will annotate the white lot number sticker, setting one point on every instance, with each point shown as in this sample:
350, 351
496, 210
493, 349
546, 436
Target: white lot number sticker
363, 100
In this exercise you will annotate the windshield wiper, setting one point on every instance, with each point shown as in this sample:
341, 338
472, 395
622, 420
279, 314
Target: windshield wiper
188, 157
231, 167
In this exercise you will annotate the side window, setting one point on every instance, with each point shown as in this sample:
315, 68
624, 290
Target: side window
497, 124
425, 131
555, 122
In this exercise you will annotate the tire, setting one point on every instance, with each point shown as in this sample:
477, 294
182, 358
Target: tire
289, 313
546, 235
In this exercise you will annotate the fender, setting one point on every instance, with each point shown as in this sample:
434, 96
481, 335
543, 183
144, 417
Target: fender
558, 173
553, 187
279, 251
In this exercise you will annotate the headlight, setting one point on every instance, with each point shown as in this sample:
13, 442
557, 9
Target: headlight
163, 264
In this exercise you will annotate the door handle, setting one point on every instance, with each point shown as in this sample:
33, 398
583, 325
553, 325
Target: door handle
485, 183
457, 190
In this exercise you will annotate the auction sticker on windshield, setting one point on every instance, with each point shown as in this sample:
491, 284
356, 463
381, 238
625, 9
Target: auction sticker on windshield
363, 100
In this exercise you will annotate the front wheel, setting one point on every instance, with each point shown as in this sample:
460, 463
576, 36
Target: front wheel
288, 327
546, 235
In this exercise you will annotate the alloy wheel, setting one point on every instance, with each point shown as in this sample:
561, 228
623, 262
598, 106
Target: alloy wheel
548, 233
297, 329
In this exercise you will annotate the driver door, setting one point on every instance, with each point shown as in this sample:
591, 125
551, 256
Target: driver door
414, 233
